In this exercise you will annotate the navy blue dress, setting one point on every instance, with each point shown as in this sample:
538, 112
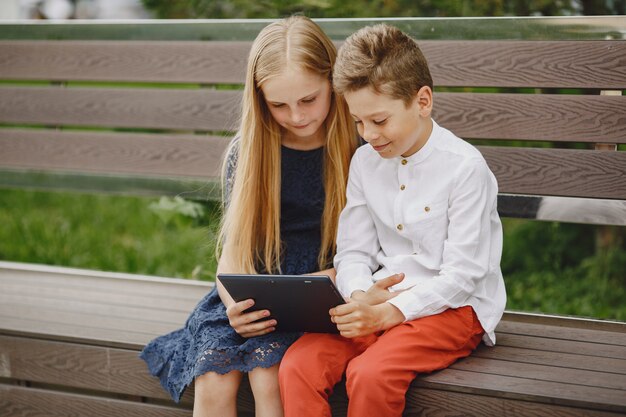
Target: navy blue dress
208, 342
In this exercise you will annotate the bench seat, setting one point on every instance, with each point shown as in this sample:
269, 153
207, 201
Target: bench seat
70, 338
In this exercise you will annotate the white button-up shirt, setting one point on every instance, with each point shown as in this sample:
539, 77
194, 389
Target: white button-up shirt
431, 216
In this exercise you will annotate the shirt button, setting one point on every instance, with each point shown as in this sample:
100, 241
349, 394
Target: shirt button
426, 209
399, 227
402, 187
404, 161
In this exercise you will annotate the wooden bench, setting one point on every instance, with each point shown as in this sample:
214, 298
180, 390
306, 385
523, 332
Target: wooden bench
75, 103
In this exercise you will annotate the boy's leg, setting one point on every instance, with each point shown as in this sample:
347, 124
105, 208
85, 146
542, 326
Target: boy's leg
311, 368
377, 380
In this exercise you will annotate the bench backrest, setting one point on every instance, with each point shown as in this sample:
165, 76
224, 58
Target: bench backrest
93, 112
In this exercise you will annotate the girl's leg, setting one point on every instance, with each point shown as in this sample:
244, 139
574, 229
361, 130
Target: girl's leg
377, 380
264, 384
216, 395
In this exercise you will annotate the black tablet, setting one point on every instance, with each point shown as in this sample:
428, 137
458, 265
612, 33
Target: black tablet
299, 303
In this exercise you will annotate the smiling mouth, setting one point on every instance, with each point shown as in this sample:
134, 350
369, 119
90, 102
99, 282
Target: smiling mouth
301, 126
380, 147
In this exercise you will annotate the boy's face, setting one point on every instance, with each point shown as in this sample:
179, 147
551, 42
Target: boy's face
391, 127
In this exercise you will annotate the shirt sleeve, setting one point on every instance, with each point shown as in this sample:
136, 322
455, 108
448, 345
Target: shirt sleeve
357, 239
467, 249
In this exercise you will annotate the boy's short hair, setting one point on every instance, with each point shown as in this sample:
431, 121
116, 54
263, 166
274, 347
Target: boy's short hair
384, 58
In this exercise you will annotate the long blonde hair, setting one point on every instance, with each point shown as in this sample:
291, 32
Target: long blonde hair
250, 230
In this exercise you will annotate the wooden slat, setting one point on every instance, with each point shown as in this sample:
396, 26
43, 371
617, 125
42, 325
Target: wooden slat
89, 280
554, 373
561, 346
571, 395
580, 334
559, 172
163, 61
562, 64
470, 115
551, 117
28, 402
426, 402
540, 357
187, 110
134, 154
81, 366
565, 64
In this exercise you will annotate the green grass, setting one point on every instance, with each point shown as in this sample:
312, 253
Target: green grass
111, 233
549, 267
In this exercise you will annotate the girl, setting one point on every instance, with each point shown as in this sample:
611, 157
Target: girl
285, 178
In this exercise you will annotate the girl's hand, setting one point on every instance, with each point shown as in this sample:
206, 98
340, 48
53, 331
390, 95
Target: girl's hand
357, 319
249, 324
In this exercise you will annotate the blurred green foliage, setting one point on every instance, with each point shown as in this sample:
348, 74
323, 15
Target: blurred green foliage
219, 9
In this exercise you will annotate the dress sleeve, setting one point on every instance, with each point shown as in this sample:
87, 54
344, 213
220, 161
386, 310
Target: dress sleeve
228, 180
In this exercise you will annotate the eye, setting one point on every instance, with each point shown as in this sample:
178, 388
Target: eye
309, 100
358, 122
380, 122
277, 105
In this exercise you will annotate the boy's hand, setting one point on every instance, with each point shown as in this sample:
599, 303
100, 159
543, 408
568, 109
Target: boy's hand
379, 292
248, 324
357, 319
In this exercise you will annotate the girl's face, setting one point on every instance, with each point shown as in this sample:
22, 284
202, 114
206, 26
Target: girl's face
299, 101
388, 124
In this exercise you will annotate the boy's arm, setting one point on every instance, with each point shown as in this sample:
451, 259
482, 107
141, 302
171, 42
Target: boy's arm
357, 240
468, 249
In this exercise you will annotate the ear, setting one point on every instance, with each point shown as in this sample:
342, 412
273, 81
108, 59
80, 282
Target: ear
424, 100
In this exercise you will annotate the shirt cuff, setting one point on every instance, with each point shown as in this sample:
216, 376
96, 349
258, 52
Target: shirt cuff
406, 302
353, 278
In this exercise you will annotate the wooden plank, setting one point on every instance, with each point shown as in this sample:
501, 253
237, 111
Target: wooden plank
547, 117
168, 155
15, 325
425, 402
581, 334
539, 357
81, 366
113, 298
554, 373
527, 63
29, 402
550, 117
555, 64
85, 310
564, 321
87, 279
187, 110
570, 395
563, 346
162, 61
560, 172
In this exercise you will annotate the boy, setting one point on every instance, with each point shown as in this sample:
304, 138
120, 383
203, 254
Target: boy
418, 246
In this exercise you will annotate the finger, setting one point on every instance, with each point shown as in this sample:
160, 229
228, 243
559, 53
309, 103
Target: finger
343, 309
239, 307
390, 280
259, 333
255, 327
254, 316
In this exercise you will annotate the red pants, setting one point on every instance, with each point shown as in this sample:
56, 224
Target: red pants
379, 368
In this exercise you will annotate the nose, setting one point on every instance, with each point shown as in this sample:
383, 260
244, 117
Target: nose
369, 132
297, 116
